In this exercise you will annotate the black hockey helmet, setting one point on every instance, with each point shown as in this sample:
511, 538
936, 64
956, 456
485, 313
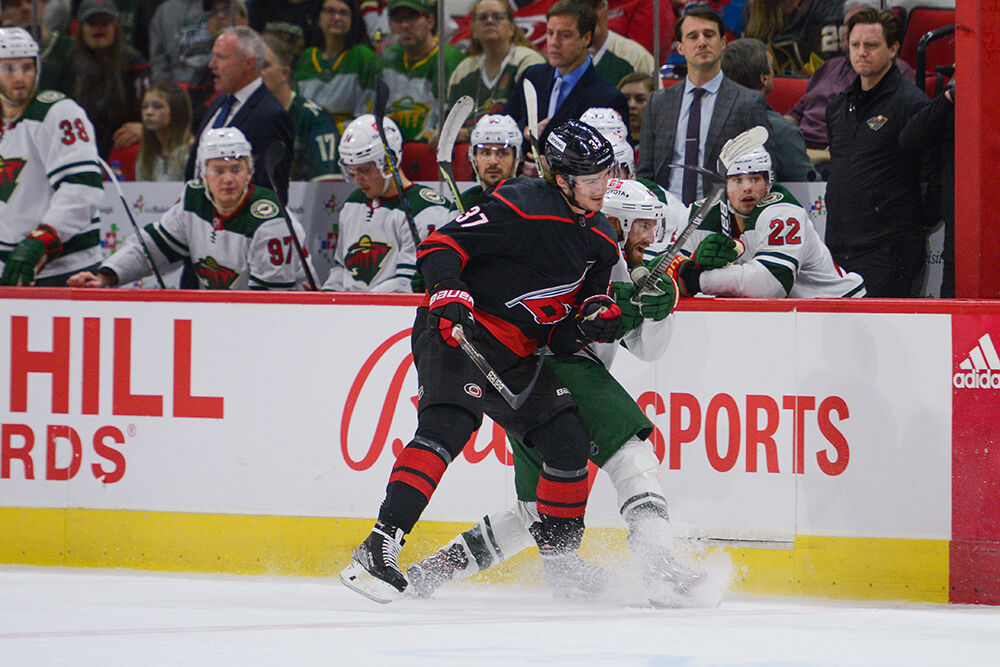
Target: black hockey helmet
577, 149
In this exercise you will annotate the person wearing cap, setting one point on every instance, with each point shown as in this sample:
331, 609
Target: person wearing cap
171, 21
292, 21
109, 76
231, 231
410, 68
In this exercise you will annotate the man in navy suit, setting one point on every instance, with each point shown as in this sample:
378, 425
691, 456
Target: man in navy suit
568, 85
689, 122
245, 103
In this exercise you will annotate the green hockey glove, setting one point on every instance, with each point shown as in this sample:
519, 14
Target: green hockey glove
418, 284
623, 293
660, 302
715, 251
29, 256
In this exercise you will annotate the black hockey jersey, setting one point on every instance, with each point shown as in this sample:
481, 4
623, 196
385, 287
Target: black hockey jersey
527, 259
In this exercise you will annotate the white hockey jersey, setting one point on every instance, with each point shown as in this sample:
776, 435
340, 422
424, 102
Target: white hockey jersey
375, 250
250, 248
784, 255
49, 175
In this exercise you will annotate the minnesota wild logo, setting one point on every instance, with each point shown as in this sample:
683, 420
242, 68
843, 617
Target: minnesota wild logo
10, 169
410, 116
214, 275
364, 258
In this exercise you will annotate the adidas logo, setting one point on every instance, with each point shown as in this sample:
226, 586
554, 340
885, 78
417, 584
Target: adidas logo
981, 369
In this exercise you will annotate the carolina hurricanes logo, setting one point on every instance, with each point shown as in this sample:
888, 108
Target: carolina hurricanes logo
364, 258
551, 304
10, 169
215, 275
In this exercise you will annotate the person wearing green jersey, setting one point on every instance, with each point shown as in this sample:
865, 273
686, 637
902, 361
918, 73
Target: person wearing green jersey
339, 74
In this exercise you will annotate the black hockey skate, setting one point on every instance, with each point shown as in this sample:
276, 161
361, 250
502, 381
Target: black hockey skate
373, 571
569, 575
427, 576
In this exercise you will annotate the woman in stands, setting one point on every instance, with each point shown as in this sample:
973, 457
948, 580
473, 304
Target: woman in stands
339, 72
802, 34
498, 55
109, 76
166, 133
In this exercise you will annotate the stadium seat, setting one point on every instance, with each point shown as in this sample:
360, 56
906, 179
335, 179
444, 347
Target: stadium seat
920, 21
786, 92
419, 162
460, 166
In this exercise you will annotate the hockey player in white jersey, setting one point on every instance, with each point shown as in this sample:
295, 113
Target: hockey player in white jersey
375, 249
231, 229
494, 153
767, 235
50, 181
618, 430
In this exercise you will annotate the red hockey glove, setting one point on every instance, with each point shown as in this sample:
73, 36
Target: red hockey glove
451, 304
599, 319
686, 273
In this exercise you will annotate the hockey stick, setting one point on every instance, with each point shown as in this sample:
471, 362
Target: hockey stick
381, 100
531, 105
446, 143
275, 152
128, 212
515, 401
745, 142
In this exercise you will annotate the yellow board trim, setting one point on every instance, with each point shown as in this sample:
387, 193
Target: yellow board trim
831, 567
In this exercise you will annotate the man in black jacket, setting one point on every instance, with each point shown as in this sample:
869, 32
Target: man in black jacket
873, 194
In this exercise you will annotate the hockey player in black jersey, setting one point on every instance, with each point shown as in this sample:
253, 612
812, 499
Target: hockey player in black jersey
526, 268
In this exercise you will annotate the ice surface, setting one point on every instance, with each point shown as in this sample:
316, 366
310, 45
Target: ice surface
101, 617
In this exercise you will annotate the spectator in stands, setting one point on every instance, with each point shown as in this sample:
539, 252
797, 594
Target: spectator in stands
801, 33
748, 62
134, 17
708, 109
166, 133
54, 47
568, 84
498, 55
873, 196
339, 74
314, 154
293, 21
109, 77
830, 78
218, 15
410, 68
172, 21
636, 88
616, 55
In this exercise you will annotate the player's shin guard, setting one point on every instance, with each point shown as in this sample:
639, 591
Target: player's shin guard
415, 476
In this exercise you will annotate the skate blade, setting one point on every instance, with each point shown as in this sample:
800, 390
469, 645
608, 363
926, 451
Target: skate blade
359, 580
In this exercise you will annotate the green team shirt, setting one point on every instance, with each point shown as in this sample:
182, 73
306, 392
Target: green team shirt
490, 96
344, 86
620, 56
316, 139
413, 101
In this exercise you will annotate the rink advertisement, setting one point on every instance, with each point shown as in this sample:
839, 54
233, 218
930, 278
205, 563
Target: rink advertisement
809, 430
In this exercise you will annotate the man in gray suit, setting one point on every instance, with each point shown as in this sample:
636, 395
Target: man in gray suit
689, 122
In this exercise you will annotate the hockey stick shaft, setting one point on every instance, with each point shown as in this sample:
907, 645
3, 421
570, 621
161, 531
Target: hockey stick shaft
275, 152
135, 227
446, 147
531, 109
381, 100
449, 178
515, 401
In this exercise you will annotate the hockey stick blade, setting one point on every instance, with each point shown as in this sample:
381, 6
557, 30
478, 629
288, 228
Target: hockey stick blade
645, 277
515, 401
135, 227
446, 143
531, 107
274, 154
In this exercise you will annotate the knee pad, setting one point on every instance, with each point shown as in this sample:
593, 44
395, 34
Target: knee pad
634, 472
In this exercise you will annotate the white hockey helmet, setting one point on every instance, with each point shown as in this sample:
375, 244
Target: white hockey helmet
630, 201
496, 129
754, 162
224, 142
607, 121
361, 143
624, 156
18, 43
